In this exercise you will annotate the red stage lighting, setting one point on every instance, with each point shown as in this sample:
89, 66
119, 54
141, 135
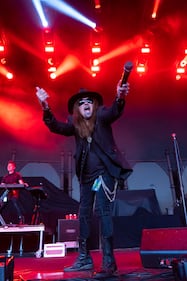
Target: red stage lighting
95, 68
49, 49
96, 49
97, 4
9, 76
52, 75
180, 70
2, 48
146, 49
141, 68
52, 69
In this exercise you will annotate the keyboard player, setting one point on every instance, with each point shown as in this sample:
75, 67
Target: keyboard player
13, 177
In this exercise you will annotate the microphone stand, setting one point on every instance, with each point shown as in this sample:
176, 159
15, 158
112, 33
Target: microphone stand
171, 177
177, 156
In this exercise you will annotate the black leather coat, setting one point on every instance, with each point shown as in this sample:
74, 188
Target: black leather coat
116, 164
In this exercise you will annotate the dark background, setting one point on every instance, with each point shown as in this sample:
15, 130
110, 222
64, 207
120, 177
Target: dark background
156, 105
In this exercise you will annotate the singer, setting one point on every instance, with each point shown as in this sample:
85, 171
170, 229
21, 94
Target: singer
99, 166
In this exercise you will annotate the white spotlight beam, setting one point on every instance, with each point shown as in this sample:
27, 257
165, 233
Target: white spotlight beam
39, 9
66, 9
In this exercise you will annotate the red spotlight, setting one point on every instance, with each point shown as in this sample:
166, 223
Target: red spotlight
141, 68
96, 49
95, 68
97, 4
3, 61
146, 49
9, 76
94, 74
2, 48
153, 15
52, 75
52, 69
155, 9
180, 70
178, 77
183, 62
49, 49
95, 62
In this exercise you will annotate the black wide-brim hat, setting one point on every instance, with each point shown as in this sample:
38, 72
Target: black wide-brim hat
83, 93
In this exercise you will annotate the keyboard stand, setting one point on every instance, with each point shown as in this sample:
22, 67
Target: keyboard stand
2, 221
2, 198
23, 229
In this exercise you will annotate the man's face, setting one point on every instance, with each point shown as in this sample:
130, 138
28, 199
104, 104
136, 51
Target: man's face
11, 167
86, 107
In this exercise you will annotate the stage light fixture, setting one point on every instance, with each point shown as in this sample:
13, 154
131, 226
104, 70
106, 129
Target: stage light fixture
53, 75
52, 69
181, 67
95, 52
48, 41
180, 70
146, 49
96, 49
50, 61
97, 4
2, 48
49, 49
143, 59
96, 62
66, 9
48, 36
9, 76
155, 9
3, 60
95, 68
183, 62
39, 9
141, 68
94, 74
178, 77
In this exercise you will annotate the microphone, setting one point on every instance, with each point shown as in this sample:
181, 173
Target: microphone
127, 69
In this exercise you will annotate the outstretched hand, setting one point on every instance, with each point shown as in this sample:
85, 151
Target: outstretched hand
122, 90
42, 96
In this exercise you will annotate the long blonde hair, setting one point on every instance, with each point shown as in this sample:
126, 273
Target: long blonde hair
84, 127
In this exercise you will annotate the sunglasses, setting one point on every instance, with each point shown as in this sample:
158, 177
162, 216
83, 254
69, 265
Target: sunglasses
83, 101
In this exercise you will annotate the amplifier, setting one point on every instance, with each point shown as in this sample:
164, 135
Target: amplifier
68, 230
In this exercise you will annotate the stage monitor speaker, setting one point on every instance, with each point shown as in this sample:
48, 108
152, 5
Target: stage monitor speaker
159, 247
68, 230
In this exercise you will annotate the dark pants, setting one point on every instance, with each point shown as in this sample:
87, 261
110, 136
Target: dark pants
90, 199
16, 204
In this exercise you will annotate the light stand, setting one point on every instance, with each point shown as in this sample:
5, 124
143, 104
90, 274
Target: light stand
177, 156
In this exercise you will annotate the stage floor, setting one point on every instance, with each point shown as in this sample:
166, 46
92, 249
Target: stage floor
128, 260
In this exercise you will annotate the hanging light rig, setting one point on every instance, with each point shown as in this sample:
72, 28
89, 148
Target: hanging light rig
181, 67
49, 48
95, 50
142, 60
3, 60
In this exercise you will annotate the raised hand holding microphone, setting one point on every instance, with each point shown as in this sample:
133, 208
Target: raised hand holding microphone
123, 85
42, 96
